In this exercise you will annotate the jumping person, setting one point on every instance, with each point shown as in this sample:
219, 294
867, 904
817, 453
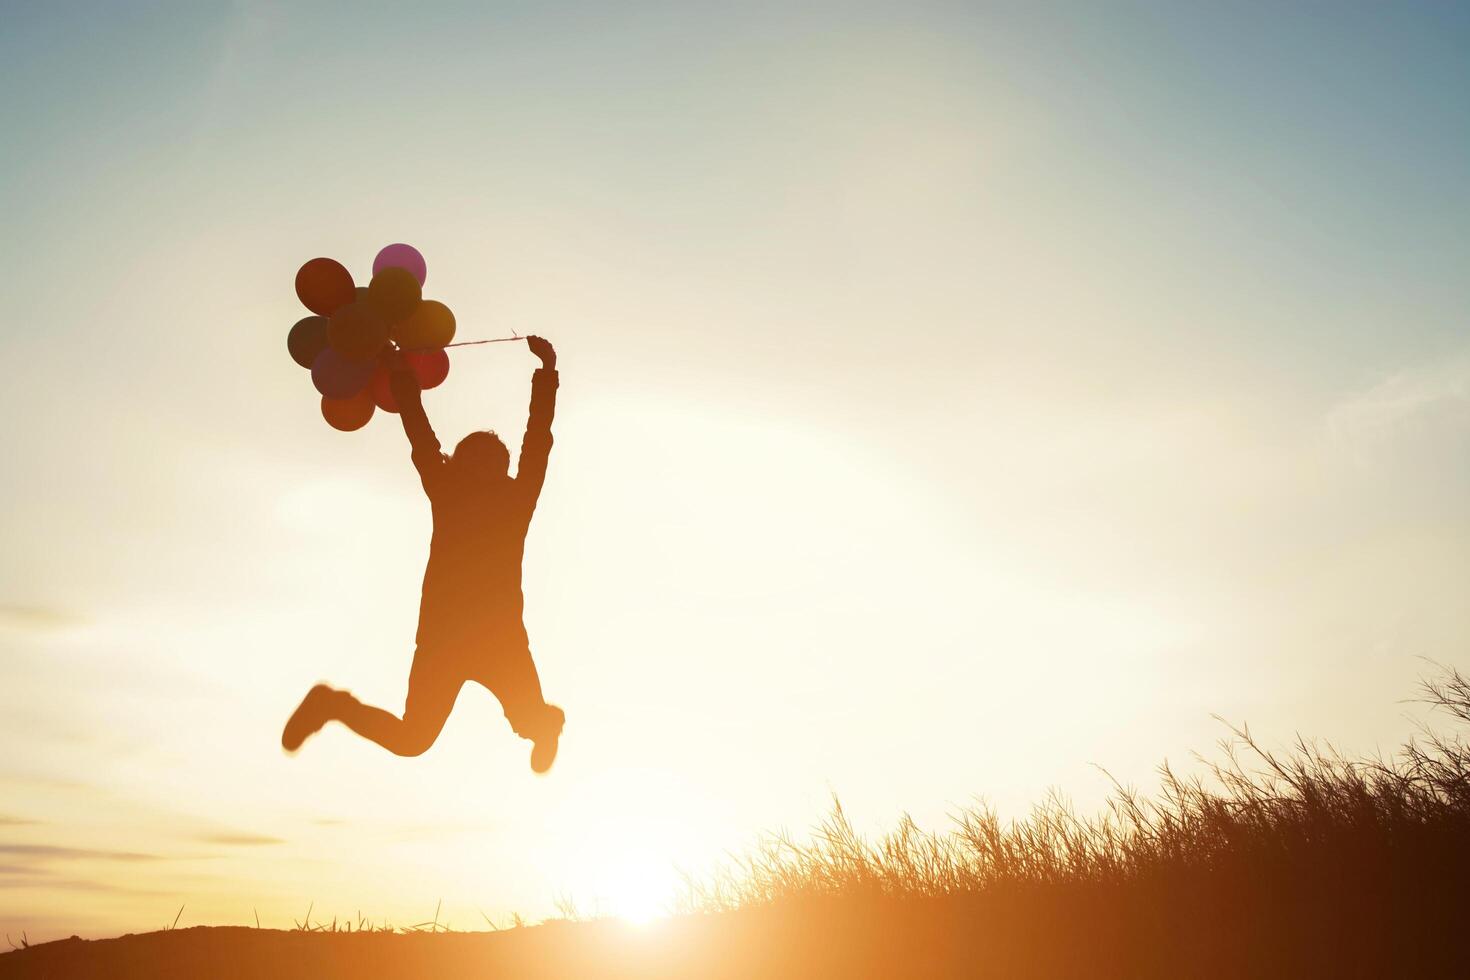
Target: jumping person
470, 626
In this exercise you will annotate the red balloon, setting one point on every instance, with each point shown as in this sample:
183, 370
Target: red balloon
431, 367
324, 286
381, 388
348, 414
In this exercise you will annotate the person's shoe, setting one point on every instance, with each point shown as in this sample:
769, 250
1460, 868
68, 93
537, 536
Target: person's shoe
548, 735
307, 719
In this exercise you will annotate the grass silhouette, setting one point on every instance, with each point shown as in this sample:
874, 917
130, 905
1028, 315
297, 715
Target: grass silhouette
1253, 818
1304, 863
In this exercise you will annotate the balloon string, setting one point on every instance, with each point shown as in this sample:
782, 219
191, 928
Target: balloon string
492, 340
466, 343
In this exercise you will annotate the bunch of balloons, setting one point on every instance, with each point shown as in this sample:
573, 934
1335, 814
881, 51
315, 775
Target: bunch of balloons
343, 343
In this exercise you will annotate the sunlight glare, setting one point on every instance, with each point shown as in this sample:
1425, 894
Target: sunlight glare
640, 893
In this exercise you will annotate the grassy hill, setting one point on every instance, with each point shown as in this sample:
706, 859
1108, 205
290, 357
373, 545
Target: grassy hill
1303, 865
1064, 931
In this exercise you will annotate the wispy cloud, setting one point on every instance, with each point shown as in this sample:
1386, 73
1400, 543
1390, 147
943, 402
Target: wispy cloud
240, 840
22, 869
409, 831
8, 821
1430, 399
10, 880
22, 618
42, 852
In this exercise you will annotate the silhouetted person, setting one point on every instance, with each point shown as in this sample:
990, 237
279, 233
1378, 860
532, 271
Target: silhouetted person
470, 626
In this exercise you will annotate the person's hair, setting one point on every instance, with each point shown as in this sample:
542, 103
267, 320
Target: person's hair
485, 443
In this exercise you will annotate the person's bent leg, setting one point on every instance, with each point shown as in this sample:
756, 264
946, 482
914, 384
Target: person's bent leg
433, 686
308, 718
510, 674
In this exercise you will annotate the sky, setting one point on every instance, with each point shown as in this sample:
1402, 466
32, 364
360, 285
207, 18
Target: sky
956, 399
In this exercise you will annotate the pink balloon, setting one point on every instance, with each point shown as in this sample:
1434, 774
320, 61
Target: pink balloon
403, 257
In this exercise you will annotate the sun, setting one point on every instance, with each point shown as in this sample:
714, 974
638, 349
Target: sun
639, 894
640, 910
626, 866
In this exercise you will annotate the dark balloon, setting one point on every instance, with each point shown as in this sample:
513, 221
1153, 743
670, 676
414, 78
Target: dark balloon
337, 377
394, 293
358, 332
431, 325
324, 286
348, 414
307, 339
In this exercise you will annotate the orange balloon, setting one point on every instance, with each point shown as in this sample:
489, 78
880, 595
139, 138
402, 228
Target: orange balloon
357, 332
431, 325
348, 414
394, 293
324, 286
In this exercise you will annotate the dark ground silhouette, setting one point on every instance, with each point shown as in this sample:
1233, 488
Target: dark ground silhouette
1072, 931
470, 625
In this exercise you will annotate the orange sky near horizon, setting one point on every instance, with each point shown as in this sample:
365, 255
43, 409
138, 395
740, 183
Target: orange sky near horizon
954, 398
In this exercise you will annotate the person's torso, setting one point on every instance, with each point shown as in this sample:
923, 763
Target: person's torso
474, 569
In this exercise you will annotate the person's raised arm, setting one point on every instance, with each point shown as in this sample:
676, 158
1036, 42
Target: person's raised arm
427, 458
536, 445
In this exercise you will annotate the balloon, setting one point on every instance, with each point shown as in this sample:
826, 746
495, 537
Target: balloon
401, 256
431, 325
381, 388
348, 414
337, 377
324, 286
358, 332
307, 339
431, 367
394, 293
